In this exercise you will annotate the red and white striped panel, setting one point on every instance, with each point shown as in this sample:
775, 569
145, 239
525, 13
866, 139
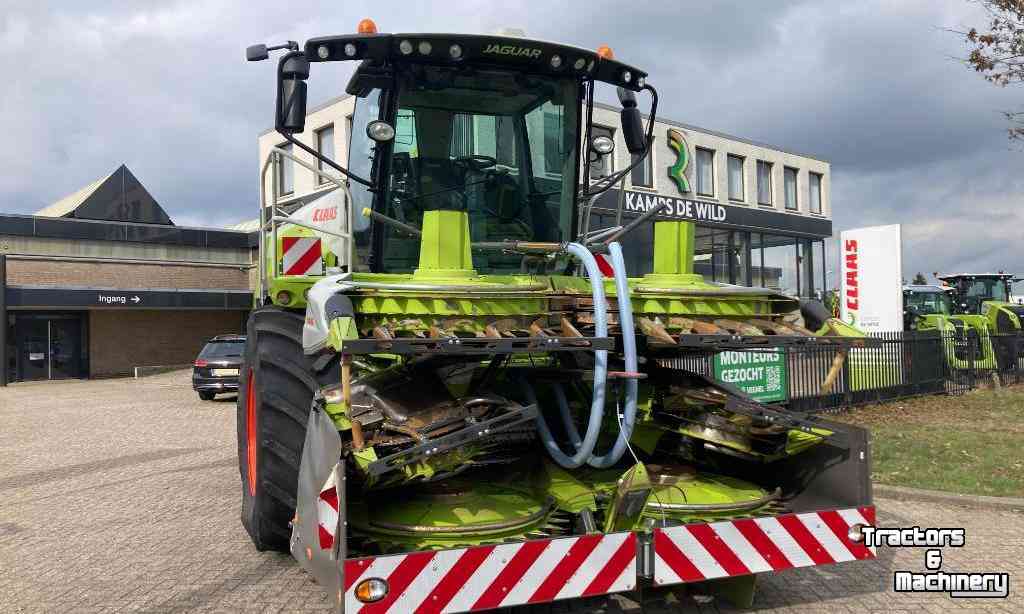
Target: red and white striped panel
327, 513
695, 552
301, 256
604, 264
486, 577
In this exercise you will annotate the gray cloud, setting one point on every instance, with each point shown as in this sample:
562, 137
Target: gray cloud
913, 136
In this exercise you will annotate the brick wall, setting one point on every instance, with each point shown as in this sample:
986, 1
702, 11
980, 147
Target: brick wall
122, 339
123, 275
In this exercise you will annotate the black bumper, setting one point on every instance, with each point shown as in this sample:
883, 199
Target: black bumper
215, 384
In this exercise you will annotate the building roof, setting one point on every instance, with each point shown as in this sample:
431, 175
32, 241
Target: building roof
71, 202
117, 197
925, 288
722, 135
1000, 274
247, 226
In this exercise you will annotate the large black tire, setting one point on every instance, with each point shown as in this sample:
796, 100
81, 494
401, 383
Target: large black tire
206, 395
276, 386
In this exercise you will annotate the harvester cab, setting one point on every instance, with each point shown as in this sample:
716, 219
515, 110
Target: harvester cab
472, 377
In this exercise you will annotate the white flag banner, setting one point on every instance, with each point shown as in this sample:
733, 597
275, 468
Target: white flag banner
327, 212
872, 281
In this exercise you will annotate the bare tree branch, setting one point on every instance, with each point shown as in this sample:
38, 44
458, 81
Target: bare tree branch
998, 54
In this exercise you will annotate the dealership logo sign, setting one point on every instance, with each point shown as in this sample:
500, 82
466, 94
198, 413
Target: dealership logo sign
686, 208
852, 280
677, 172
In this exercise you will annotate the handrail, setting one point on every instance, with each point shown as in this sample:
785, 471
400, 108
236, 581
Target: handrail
273, 161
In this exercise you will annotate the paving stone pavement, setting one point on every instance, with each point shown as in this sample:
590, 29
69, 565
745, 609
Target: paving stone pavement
122, 495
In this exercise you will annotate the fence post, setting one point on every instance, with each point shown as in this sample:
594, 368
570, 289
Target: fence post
3, 320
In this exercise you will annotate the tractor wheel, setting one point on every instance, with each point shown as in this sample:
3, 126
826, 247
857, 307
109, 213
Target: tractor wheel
276, 387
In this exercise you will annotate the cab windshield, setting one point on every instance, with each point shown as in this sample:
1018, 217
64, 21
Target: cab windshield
930, 302
987, 290
499, 145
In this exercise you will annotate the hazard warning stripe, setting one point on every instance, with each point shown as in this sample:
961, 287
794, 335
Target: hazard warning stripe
486, 577
538, 571
604, 265
695, 552
301, 256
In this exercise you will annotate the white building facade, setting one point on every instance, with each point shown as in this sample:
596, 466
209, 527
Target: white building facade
761, 212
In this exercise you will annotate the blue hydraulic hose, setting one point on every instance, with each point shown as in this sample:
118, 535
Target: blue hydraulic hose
629, 349
563, 409
586, 447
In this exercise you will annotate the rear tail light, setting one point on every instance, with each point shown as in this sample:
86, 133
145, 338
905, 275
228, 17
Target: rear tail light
200, 363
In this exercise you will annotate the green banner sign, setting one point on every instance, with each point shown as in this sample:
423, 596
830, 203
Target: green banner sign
761, 374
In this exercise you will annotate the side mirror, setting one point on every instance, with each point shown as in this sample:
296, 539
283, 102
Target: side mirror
291, 93
256, 53
632, 124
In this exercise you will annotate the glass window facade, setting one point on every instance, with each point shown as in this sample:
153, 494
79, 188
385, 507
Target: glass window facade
705, 173
325, 146
815, 192
789, 180
780, 268
788, 264
286, 172
737, 190
764, 182
642, 175
713, 254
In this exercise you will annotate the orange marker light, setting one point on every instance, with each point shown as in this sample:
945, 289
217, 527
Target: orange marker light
605, 52
366, 26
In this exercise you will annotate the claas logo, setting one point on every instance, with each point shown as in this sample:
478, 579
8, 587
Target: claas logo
852, 300
325, 215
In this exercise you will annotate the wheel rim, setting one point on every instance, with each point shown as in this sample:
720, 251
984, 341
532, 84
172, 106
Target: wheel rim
250, 432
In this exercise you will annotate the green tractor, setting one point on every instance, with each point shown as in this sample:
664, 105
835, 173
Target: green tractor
447, 406
985, 298
965, 337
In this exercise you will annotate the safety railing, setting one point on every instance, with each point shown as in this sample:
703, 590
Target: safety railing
272, 217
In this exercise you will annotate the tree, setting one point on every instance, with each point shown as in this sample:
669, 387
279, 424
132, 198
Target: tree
919, 279
998, 54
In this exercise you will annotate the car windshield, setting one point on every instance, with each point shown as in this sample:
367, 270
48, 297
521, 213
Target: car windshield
222, 349
499, 145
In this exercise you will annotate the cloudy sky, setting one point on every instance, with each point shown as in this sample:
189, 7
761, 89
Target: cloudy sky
874, 87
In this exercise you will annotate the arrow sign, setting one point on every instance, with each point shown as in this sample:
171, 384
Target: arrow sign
136, 299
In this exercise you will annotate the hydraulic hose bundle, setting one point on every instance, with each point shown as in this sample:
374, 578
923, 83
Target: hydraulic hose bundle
584, 447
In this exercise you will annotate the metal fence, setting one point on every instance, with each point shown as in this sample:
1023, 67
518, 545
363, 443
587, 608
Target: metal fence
901, 365
896, 365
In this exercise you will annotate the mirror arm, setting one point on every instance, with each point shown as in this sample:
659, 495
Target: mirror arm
634, 224
606, 183
316, 154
